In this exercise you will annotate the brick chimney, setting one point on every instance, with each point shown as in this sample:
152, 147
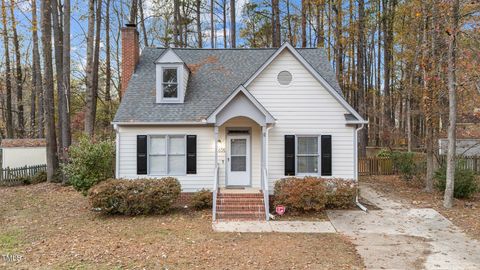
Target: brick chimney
130, 54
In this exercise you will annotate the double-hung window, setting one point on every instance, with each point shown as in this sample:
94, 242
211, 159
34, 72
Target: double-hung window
170, 83
167, 155
307, 154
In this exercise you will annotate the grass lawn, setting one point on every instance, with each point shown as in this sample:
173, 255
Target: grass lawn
465, 213
51, 227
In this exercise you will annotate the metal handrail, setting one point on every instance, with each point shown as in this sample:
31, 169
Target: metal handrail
215, 191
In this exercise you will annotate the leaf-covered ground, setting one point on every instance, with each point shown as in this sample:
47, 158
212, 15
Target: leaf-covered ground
51, 227
465, 213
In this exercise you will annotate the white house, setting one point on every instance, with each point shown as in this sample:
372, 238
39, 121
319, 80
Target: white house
23, 152
232, 120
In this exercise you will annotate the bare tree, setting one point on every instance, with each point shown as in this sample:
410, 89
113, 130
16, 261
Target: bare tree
452, 108
36, 77
52, 158
212, 23
304, 23
275, 23
108, 68
90, 95
8, 80
233, 30
134, 11
18, 73
362, 104
142, 23
65, 93
198, 5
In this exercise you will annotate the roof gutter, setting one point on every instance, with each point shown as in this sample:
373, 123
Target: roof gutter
203, 122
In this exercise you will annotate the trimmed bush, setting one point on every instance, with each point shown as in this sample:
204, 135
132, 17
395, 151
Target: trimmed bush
89, 163
301, 195
202, 199
340, 193
405, 164
135, 197
465, 183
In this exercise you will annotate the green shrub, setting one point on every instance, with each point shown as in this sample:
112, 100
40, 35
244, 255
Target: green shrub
405, 164
340, 193
135, 197
384, 153
301, 195
89, 163
26, 180
202, 199
465, 182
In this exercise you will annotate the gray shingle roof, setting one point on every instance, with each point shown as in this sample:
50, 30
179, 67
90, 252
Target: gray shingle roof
215, 74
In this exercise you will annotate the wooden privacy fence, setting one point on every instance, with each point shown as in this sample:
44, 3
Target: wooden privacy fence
464, 162
11, 176
375, 166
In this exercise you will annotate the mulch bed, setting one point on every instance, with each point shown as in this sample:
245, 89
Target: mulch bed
465, 213
52, 226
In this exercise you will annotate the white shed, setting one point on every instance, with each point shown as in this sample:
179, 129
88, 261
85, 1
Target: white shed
23, 152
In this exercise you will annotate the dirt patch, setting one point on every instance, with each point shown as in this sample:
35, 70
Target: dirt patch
52, 227
465, 213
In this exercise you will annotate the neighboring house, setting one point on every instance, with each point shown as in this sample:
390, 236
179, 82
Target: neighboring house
234, 120
23, 152
468, 136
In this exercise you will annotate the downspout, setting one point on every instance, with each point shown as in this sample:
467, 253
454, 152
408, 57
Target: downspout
266, 181
355, 148
117, 151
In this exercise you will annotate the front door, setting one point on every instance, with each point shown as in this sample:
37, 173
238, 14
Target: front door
238, 160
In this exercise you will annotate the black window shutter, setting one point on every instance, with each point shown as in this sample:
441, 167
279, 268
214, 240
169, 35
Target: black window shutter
326, 155
289, 154
191, 154
141, 154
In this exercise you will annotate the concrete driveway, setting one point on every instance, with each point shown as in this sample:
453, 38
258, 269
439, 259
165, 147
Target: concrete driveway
399, 237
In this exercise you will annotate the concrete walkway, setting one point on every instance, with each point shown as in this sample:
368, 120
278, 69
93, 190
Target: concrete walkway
274, 226
399, 237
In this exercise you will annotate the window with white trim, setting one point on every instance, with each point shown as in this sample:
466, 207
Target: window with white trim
307, 154
167, 155
170, 83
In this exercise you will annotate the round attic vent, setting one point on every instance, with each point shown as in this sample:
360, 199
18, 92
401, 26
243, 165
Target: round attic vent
284, 77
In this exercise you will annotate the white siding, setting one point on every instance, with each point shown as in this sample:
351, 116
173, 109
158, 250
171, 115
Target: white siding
303, 107
190, 182
15, 157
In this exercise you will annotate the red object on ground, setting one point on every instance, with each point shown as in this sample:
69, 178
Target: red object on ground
280, 209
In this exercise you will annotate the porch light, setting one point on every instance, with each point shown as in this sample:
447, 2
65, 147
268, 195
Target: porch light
221, 146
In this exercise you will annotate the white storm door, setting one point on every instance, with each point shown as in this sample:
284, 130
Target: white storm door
238, 160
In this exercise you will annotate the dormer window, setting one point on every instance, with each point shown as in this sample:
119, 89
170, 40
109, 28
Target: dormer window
171, 78
170, 83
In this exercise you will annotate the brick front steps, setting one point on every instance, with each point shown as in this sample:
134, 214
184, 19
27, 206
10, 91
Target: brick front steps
240, 206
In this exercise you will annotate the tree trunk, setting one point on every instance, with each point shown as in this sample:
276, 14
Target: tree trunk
18, 74
65, 115
133, 12
108, 71
212, 23
304, 23
199, 23
452, 108
289, 23
224, 23
90, 92
338, 42
175, 23
362, 103
37, 74
96, 60
58, 49
8, 80
142, 23
233, 30
52, 159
